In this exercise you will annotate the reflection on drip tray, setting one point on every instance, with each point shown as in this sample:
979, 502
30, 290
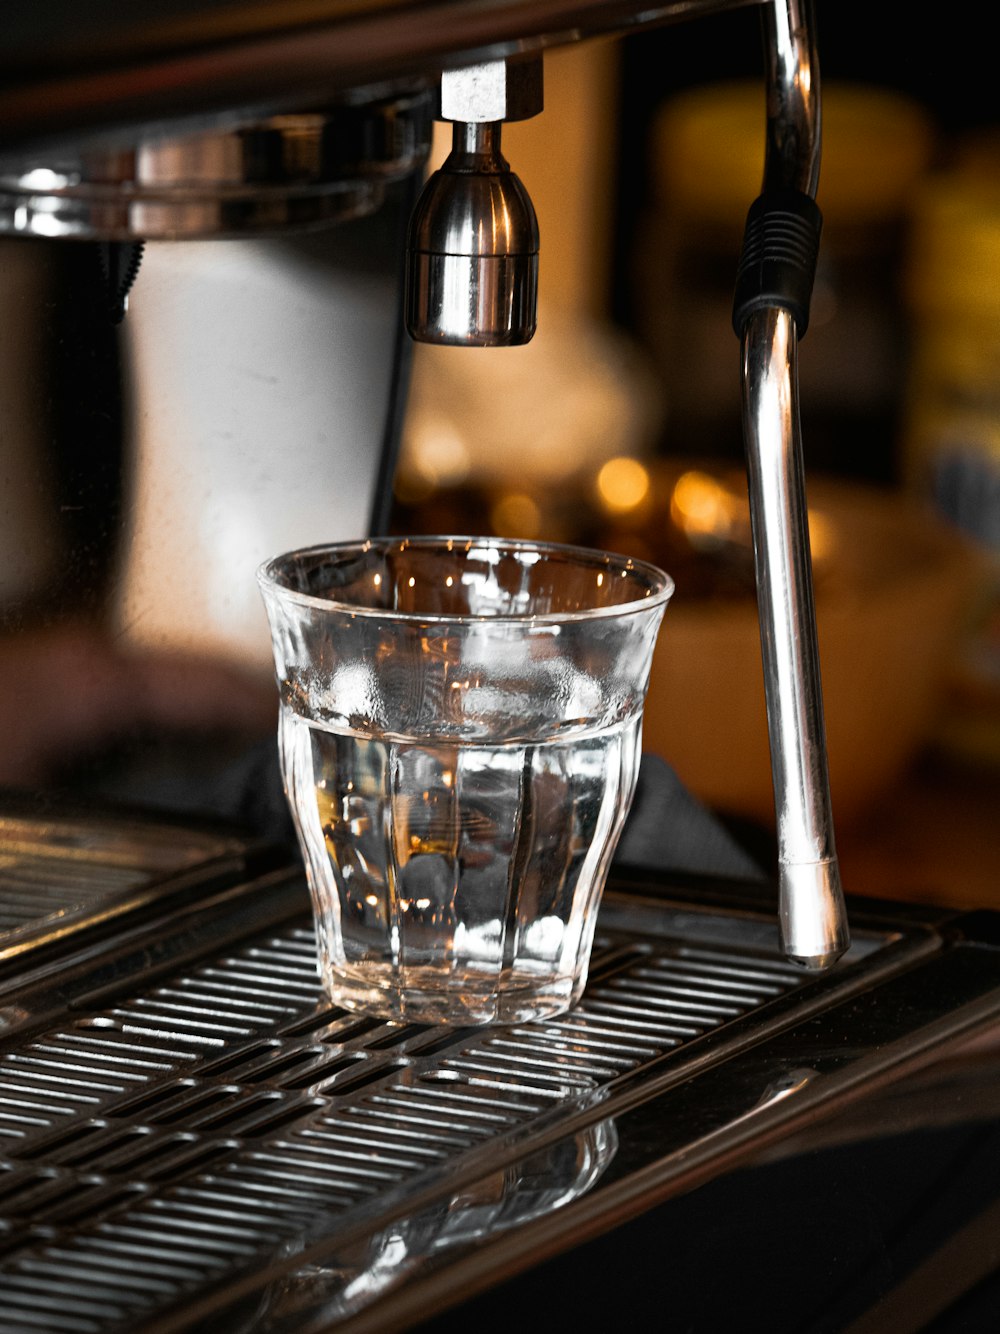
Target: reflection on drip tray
507, 1198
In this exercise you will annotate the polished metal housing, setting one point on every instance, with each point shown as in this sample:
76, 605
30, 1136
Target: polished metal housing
472, 250
492, 91
65, 79
811, 907
472, 254
278, 174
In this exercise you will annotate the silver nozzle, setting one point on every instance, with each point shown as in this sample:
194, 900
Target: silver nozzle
472, 255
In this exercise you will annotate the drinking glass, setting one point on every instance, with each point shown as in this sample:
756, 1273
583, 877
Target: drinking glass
460, 724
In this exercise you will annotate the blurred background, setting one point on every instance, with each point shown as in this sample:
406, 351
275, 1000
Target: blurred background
619, 425
135, 661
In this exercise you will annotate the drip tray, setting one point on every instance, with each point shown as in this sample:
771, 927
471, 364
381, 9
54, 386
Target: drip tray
193, 1138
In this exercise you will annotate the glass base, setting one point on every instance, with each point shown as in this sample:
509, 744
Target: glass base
427, 995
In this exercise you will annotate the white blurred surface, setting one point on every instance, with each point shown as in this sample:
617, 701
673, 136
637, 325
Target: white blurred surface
259, 388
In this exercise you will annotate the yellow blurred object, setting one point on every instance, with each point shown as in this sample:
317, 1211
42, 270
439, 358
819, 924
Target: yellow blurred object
888, 606
517, 514
545, 415
951, 440
706, 165
876, 144
705, 509
622, 484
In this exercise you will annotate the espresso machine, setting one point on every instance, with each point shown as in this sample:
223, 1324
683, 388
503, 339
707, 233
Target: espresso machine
192, 1137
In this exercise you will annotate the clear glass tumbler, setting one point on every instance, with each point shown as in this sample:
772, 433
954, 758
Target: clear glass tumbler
460, 734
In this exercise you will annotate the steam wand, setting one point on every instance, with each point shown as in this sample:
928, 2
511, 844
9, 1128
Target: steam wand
771, 312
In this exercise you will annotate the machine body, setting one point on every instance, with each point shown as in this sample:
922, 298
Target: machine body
180, 124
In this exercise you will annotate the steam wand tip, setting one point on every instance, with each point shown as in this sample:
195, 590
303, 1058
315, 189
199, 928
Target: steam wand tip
812, 913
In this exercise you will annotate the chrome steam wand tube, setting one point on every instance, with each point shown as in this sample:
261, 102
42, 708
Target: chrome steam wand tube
774, 284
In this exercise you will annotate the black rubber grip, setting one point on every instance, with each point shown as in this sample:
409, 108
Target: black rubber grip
778, 260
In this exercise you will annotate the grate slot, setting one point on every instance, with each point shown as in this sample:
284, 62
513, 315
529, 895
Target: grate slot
249, 979
272, 1197
726, 983
245, 1057
52, 1323
144, 1108
543, 1056
453, 1037
254, 1115
42, 1202
169, 1104
368, 1072
140, 1240
21, 1086
617, 1029
33, 889
324, 1076
449, 1110
209, 1106
68, 1263
344, 1172
47, 1071
307, 1185
200, 999
514, 1072
160, 1022
343, 1027
729, 963
560, 1037
612, 956
397, 1036
135, 1061
19, 1125
128, 1150
199, 1155
25, 1082
76, 1273
18, 1183
89, 1299
467, 1100
277, 963
397, 1119
191, 1210
332, 1148
657, 998
408, 1149
309, 1057
213, 1249
101, 1201
63, 1147
638, 1016
350, 1143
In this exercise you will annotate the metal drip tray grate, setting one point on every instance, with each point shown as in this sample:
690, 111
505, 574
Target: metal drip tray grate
60, 875
195, 1138
202, 1124
33, 890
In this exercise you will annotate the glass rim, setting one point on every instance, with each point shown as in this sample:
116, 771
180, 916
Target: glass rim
662, 589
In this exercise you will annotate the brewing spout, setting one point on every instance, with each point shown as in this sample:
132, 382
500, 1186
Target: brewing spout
472, 253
